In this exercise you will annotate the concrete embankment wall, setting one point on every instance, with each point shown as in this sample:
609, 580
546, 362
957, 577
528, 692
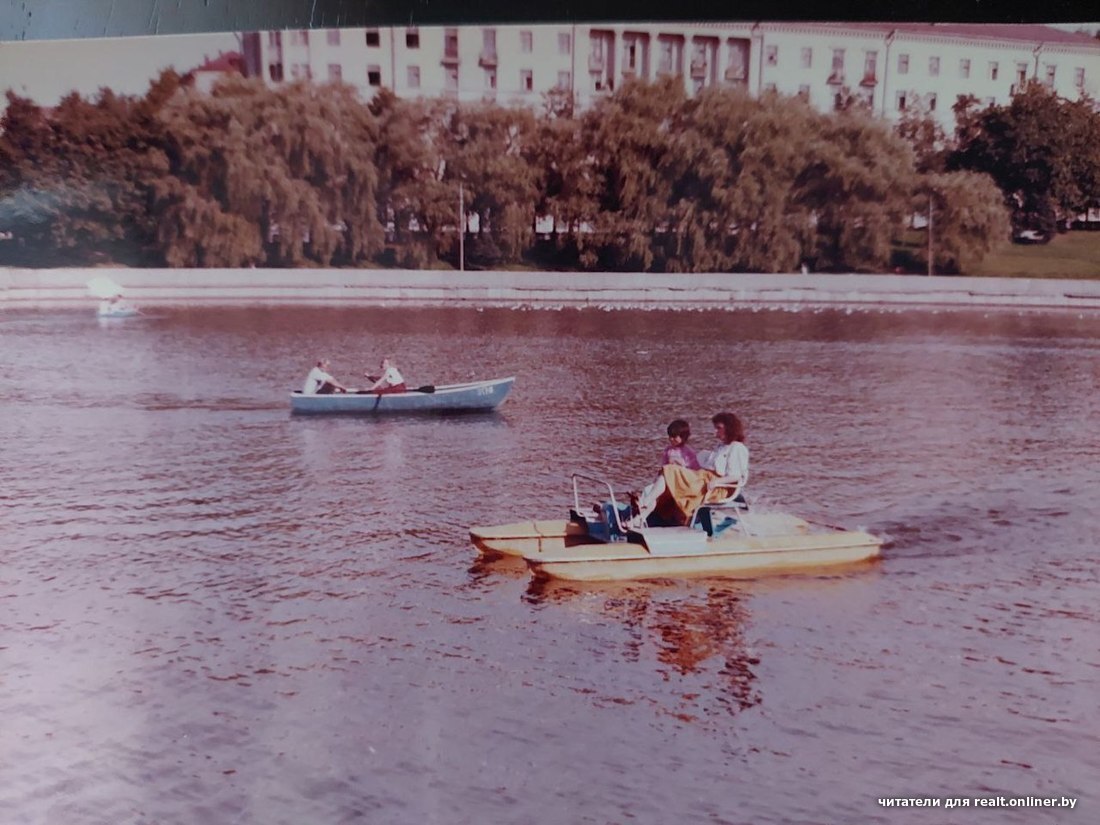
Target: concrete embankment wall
390, 287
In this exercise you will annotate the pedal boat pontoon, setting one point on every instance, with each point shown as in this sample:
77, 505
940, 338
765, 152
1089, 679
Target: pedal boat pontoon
721, 540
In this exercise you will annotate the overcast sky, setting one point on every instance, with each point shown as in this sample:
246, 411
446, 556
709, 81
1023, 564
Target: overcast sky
46, 71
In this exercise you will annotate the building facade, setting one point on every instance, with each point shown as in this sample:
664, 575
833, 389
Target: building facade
888, 67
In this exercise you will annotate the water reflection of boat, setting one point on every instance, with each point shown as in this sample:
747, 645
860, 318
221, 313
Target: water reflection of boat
694, 639
719, 541
476, 396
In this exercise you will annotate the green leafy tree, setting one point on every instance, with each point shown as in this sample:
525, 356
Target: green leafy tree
856, 187
567, 187
282, 176
969, 218
631, 135
413, 198
1043, 152
489, 149
78, 176
920, 129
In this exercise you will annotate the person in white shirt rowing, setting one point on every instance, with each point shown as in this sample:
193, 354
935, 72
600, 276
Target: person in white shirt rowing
390, 381
320, 381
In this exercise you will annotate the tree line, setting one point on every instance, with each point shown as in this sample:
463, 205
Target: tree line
648, 179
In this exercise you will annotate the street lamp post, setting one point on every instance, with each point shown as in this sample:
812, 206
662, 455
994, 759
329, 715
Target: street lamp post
929, 232
461, 229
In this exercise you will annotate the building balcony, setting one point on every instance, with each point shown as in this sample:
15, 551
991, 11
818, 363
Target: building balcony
487, 60
699, 68
450, 58
596, 63
836, 79
736, 74
869, 81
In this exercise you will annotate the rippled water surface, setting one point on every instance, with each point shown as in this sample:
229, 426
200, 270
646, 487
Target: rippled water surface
212, 611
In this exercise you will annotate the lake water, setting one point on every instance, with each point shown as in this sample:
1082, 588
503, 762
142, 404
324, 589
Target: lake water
212, 611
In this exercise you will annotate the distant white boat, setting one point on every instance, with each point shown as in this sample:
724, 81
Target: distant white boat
109, 309
103, 287
111, 304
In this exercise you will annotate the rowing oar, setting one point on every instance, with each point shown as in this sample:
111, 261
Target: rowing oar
427, 388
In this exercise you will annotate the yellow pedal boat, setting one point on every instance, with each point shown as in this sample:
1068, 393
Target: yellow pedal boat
726, 541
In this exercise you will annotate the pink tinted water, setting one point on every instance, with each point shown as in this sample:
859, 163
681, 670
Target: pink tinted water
213, 611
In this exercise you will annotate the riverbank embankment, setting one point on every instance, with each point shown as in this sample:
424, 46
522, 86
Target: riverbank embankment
394, 287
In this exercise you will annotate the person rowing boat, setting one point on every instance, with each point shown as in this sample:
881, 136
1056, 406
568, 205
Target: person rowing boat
320, 381
391, 380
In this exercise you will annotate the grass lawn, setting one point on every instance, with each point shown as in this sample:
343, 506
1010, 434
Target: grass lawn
1072, 255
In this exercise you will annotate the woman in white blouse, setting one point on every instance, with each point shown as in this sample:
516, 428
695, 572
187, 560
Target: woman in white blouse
678, 491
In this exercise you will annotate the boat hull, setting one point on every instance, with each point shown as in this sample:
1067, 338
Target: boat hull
119, 313
528, 537
479, 396
560, 550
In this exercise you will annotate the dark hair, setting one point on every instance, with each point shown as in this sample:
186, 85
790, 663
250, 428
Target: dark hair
735, 430
681, 429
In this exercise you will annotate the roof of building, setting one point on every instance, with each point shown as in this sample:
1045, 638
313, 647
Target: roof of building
1032, 33
1026, 32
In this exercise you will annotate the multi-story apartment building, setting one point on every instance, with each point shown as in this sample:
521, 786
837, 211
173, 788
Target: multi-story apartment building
890, 67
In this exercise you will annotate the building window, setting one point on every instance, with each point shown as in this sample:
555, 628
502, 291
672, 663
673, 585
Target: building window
994, 70
932, 102
565, 43
665, 63
374, 75
1021, 75
964, 67
903, 64
771, 55
412, 38
526, 42
807, 58
1050, 74
902, 101
450, 43
414, 77
333, 37
374, 38
300, 71
335, 72
870, 67
934, 66
526, 80
836, 73
1079, 77
565, 80
275, 70
490, 78
804, 92
299, 37
489, 40
275, 39
450, 82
